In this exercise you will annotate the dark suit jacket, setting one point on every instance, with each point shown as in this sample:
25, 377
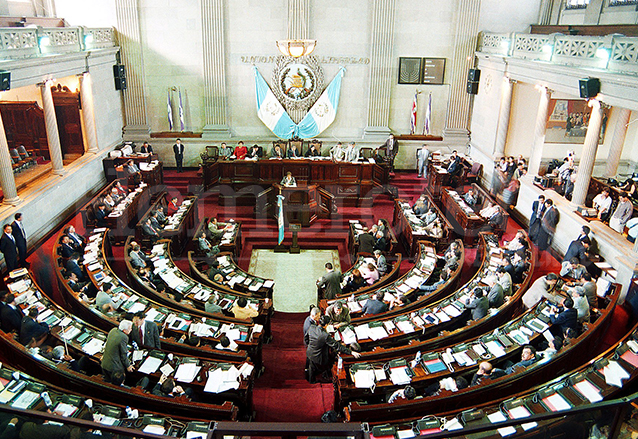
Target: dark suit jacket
100, 217
151, 336
292, 153
366, 243
11, 318
66, 250
576, 249
114, 358
146, 149
21, 240
319, 343
73, 267
150, 231
31, 329
550, 220
332, 283
479, 307
380, 244
77, 240
566, 319
178, 150
10, 251
259, 153
311, 153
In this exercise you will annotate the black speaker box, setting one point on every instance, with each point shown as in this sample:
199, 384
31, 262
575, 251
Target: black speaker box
472, 87
119, 71
120, 83
474, 75
5, 80
589, 87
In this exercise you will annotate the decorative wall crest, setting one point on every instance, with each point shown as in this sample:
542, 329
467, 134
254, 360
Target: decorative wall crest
297, 82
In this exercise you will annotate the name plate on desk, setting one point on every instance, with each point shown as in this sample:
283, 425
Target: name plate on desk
294, 227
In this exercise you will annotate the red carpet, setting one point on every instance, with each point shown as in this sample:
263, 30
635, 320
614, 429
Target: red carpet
282, 393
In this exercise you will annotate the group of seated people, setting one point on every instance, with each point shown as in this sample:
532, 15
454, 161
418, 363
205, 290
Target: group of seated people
432, 224
621, 216
157, 220
491, 212
369, 272
105, 204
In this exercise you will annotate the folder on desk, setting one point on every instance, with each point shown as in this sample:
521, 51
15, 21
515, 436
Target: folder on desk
434, 364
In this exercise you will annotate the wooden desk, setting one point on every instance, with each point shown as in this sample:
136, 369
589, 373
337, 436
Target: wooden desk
410, 229
111, 163
356, 228
461, 213
437, 178
230, 241
350, 183
181, 223
300, 203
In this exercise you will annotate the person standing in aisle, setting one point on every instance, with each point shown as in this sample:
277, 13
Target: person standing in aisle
178, 149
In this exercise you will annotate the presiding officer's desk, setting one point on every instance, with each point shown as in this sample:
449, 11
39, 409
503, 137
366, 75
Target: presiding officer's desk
350, 183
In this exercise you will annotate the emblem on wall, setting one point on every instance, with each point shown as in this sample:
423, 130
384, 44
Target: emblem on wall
298, 82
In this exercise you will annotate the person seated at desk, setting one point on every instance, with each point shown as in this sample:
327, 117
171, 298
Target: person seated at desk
518, 244
369, 273
121, 189
515, 266
146, 275
277, 153
215, 270
149, 230
312, 151
240, 151
11, 315
146, 148
452, 254
32, 333
354, 282
380, 242
553, 346
159, 215
420, 206
241, 310
495, 221
288, 180
338, 153
132, 168
602, 204
434, 229
205, 247
77, 241
108, 202
572, 269
488, 210
225, 151
292, 152
73, 266
428, 216
563, 318
168, 388
115, 195
407, 393
212, 304
138, 257
339, 314
455, 167
256, 152
104, 299
541, 288
528, 357
425, 288
382, 264
155, 222
477, 303
483, 373
630, 187
172, 207
375, 305
621, 215
496, 296
215, 229
66, 247
470, 197
351, 153
84, 289
100, 215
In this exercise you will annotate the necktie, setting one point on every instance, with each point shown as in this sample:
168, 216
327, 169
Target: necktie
141, 336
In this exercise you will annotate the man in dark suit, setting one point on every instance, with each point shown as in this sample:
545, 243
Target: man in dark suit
9, 248
478, 304
376, 305
538, 208
366, 242
11, 316
100, 215
578, 249
31, 330
148, 230
20, 236
66, 247
548, 226
146, 148
564, 319
178, 150
77, 240
144, 333
319, 343
496, 220
73, 266
330, 282
115, 357
256, 152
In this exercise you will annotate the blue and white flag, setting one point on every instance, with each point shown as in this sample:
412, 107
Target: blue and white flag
169, 109
280, 218
181, 112
428, 116
324, 111
275, 117
270, 111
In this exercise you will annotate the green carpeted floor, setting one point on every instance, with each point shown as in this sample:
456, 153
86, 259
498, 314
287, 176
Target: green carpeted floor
295, 275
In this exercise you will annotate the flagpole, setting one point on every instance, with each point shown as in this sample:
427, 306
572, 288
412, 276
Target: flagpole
427, 122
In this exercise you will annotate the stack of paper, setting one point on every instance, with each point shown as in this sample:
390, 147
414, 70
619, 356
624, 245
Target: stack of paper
364, 378
220, 380
187, 372
150, 365
399, 376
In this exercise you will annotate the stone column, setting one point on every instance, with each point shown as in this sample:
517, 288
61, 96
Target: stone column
132, 56
215, 95
88, 113
298, 29
503, 117
51, 123
381, 70
617, 141
545, 13
7, 179
465, 41
590, 148
536, 154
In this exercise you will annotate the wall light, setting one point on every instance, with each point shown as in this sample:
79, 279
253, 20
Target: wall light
602, 53
296, 48
88, 38
548, 49
44, 41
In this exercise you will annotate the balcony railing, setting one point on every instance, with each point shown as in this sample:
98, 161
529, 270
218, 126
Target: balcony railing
16, 43
615, 53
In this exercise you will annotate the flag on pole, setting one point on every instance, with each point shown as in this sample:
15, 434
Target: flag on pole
280, 218
323, 112
270, 110
181, 112
428, 116
413, 114
169, 109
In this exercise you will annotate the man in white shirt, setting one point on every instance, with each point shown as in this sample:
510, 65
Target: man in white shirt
338, 153
352, 153
602, 203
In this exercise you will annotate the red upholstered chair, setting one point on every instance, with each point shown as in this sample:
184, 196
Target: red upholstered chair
474, 174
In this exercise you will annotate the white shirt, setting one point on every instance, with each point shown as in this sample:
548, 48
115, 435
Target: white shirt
602, 204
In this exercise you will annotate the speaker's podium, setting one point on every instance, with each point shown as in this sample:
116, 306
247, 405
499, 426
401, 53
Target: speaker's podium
301, 202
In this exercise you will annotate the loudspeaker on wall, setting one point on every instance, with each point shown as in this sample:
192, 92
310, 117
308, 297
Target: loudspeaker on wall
472, 87
473, 75
5, 80
589, 87
119, 73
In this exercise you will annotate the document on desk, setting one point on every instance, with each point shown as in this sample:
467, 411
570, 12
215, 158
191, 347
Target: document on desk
614, 374
154, 429
399, 376
463, 359
348, 336
364, 378
589, 391
452, 311
519, 413
219, 380
187, 372
405, 326
362, 331
495, 348
500, 417
246, 369
377, 333
150, 365
389, 325
93, 347
556, 403
65, 410
70, 333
